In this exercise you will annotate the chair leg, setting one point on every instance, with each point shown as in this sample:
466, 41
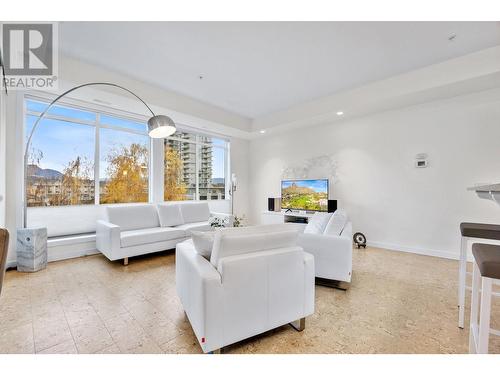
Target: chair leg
474, 310
299, 325
125, 261
462, 282
484, 318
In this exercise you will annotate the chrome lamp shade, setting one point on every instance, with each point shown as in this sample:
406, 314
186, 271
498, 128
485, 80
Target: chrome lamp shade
161, 126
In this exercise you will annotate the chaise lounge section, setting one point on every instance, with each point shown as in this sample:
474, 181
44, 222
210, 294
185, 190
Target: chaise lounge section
131, 230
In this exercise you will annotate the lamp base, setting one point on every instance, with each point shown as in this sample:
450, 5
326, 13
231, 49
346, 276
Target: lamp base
31, 249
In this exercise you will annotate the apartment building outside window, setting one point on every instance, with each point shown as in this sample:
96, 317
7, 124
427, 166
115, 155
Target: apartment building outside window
195, 167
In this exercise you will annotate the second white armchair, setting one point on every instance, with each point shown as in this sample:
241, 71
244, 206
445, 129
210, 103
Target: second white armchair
331, 246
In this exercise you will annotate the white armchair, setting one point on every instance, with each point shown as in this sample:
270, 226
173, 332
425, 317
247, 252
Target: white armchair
332, 254
331, 248
254, 282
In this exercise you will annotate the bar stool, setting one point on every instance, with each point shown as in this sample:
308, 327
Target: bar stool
486, 269
476, 233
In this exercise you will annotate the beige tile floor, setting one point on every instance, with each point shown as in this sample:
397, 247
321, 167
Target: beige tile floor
397, 303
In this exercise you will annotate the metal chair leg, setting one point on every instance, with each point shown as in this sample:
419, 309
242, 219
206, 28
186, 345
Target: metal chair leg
462, 282
474, 309
484, 317
125, 261
299, 325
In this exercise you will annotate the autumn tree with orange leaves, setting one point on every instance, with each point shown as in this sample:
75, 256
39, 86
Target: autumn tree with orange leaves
76, 178
127, 175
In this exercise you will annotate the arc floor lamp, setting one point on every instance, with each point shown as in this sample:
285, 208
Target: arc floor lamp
159, 126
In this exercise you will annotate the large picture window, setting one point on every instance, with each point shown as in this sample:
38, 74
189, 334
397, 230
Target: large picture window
195, 167
85, 157
81, 156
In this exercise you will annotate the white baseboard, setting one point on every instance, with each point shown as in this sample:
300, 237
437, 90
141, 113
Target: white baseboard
61, 250
69, 254
415, 250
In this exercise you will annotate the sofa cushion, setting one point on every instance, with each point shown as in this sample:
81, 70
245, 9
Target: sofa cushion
170, 215
229, 242
337, 223
317, 223
199, 226
150, 235
193, 212
203, 243
131, 217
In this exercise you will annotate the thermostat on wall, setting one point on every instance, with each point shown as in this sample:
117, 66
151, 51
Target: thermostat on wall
421, 161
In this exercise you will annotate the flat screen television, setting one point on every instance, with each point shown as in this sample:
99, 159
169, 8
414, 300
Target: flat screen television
306, 195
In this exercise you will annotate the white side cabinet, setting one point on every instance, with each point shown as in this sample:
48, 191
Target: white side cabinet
272, 217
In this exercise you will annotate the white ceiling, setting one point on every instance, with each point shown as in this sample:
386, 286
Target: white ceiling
257, 68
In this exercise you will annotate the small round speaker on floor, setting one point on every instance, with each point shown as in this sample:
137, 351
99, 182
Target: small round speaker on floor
359, 239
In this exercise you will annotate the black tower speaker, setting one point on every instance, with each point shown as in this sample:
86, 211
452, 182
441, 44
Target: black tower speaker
274, 204
332, 205
270, 204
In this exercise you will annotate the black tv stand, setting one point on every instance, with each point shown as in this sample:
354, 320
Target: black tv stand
295, 219
291, 216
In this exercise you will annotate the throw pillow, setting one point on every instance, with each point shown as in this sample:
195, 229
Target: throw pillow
317, 223
337, 223
170, 215
203, 243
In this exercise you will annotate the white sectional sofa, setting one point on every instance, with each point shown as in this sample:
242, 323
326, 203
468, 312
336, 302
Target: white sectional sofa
255, 279
131, 230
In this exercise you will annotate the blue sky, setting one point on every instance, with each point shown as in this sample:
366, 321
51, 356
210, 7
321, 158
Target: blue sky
62, 141
319, 186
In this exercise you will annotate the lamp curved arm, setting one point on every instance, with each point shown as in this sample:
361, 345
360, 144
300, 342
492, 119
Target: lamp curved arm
28, 142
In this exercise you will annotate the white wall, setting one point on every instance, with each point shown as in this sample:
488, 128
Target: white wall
183, 109
13, 174
396, 205
240, 149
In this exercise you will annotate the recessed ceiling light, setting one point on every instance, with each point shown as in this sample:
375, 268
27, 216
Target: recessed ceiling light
340, 113
262, 131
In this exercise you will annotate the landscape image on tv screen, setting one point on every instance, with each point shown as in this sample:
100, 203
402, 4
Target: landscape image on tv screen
308, 195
